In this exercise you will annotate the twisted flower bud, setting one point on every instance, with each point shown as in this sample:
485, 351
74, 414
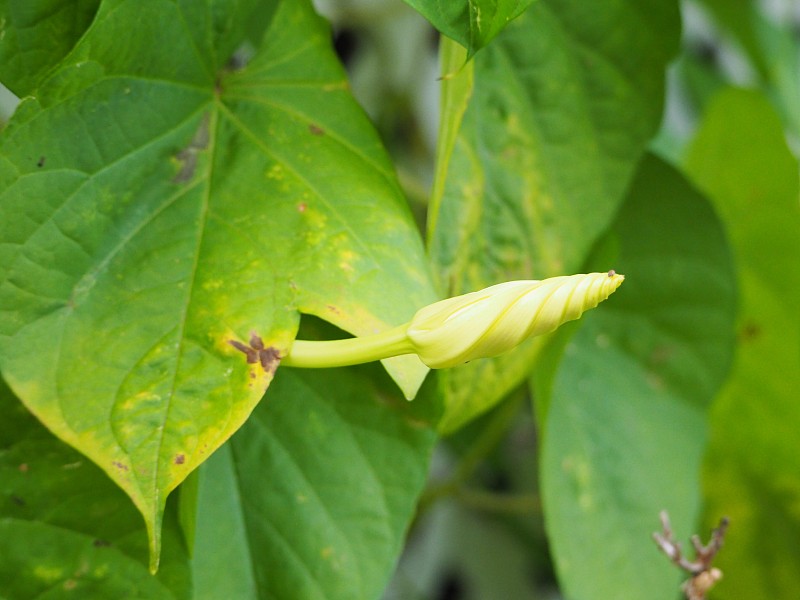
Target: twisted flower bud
495, 320
480, 324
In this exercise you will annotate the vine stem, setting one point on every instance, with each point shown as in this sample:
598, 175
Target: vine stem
350, 351
490, 436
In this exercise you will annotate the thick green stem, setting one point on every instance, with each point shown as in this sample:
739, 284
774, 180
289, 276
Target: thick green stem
351, 351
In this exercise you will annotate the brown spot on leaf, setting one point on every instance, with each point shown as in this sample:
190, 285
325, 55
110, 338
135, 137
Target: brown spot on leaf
98, 543
23, 468
70, 584
270, 359
333, 309
120, 466
316, 129
180, 459
188, 156
256, 342
302, 207
749, 332
40, 162
661, 354
252, 355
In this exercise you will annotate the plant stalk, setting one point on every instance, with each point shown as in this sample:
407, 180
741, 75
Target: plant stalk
351, 351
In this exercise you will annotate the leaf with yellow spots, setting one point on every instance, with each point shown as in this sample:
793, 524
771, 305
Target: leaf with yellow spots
187, 211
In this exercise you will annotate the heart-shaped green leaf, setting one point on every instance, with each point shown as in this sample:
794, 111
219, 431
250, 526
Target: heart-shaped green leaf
165, 214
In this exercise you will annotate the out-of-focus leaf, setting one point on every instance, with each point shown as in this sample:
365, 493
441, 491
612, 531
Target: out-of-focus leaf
741, 18
771, 46
740, 159
42, 561
36, 35
321, 484
626, 427
157, 206
472, 23
65, 528
485, 558
563, 105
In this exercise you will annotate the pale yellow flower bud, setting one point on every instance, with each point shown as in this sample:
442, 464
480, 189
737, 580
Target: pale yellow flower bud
495, 320
476, 325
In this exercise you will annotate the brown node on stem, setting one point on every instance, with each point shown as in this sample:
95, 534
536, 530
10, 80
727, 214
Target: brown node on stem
703, 575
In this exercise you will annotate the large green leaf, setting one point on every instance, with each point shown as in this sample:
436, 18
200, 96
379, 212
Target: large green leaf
65, 528
157, 206
325, 476
741, 159
36, 35
472, 23
312, 497
564, 103
626, 426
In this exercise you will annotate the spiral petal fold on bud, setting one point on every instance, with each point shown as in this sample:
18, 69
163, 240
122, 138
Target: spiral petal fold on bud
495, 320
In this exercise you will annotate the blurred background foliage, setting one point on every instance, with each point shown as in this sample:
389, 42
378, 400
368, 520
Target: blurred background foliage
479, 532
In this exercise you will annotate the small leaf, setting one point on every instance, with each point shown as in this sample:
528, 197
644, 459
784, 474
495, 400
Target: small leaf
472, 23
563, 105
625, 430
740, 158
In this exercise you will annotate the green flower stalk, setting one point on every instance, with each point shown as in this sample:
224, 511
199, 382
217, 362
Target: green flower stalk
480, 324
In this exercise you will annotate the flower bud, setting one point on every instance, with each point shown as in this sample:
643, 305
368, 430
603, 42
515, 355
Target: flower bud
495, 320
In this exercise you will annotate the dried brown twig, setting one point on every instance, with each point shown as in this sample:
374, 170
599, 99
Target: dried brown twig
703, 574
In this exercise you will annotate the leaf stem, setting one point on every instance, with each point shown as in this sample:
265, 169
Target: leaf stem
351, 351
483, 500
